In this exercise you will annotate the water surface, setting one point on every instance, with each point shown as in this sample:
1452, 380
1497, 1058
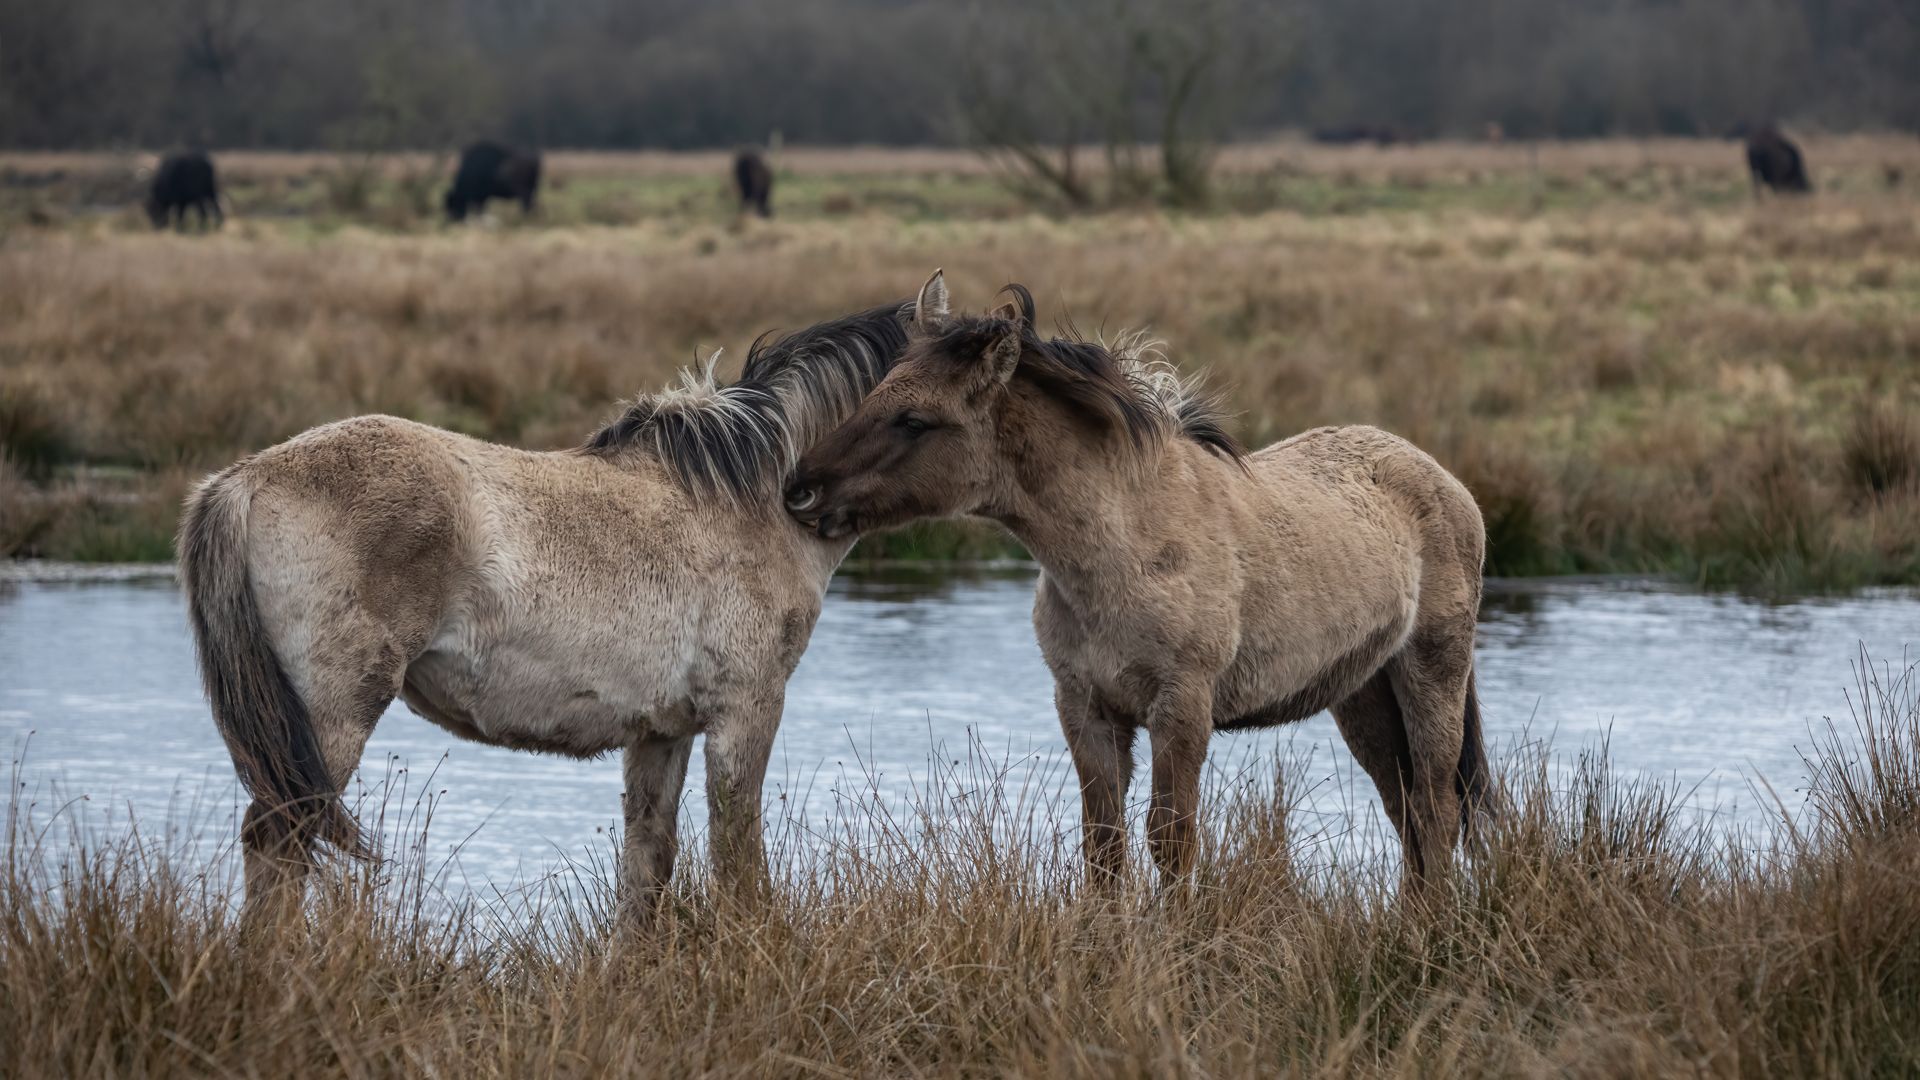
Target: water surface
905, 677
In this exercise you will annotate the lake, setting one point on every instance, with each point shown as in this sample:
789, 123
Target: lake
908, 675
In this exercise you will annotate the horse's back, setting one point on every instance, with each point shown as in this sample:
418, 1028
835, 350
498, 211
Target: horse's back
1370, 472
1438, 536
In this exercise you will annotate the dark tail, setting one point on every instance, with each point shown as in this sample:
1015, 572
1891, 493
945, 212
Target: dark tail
1472, 780
260, 715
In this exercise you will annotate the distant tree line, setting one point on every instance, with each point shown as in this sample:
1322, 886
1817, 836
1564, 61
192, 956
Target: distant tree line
376, 74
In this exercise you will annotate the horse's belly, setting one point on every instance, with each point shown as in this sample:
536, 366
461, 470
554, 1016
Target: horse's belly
1271, 686
542, 692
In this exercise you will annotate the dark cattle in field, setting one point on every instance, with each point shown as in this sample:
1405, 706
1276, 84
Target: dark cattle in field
1775, 162
184, 181
491, 171
754, 180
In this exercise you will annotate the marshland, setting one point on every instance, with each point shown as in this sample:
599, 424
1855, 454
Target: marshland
1614, 923
1558, 247
1635, 366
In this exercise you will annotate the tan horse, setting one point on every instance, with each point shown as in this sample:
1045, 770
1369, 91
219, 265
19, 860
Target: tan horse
627, 595
1189, 587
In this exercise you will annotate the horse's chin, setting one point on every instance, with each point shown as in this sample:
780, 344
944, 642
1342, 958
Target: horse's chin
832, 525
837, 525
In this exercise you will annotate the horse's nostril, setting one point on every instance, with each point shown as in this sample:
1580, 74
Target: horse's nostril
802, 497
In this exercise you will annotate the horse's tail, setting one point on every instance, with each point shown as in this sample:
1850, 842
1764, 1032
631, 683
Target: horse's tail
1472, 780
266, 725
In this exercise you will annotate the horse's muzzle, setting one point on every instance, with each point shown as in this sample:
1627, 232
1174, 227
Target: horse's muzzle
802, 497
807, 504
833, 526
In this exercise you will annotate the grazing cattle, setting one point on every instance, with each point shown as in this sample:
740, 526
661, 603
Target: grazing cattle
1776, 163
489, 170
184, 181
754, 180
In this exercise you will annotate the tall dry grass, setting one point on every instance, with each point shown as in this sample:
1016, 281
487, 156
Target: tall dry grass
1603, 931
1663, 377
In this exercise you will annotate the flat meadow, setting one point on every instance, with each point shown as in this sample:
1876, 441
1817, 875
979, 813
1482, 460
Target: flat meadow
1635, 365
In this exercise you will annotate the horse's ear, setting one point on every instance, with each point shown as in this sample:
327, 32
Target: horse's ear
931, 304
1004, 353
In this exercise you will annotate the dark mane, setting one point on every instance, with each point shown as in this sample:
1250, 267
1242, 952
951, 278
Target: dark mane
740, 440
1128, 386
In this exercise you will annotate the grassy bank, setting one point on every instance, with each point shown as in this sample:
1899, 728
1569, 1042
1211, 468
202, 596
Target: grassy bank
1603, 933
1634, 366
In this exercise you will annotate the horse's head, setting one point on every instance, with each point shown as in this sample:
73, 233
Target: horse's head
924, 442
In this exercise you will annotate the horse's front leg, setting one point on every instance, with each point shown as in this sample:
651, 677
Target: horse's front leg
656, 769
1102, 747
739, 742
1181, 722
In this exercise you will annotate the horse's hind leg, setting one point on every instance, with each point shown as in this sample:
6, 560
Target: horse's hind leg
1429, 679
1370, 722
348, 675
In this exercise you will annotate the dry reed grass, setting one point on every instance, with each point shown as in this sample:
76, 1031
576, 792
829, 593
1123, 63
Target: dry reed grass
1678, 381
1604, 931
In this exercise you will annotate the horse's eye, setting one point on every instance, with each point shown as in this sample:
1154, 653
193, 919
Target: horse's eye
913, 425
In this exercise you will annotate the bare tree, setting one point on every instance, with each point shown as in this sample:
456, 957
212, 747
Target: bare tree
1025, 106
1040, 78
216, 36
1082, 100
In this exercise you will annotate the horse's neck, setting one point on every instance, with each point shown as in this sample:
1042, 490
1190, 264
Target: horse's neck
761, 529
1087, 519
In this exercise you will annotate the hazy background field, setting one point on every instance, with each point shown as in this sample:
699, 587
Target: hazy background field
1536, 253
1635, 364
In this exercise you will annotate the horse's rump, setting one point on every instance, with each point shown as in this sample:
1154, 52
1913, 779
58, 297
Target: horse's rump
261, 716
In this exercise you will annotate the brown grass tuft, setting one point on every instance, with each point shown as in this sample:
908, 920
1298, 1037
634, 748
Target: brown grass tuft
1881, 450
33, 433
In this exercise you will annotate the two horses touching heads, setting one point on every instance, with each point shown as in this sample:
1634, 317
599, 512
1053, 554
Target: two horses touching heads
661, 582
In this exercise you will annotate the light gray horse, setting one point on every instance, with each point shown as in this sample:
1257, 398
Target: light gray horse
628, 595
